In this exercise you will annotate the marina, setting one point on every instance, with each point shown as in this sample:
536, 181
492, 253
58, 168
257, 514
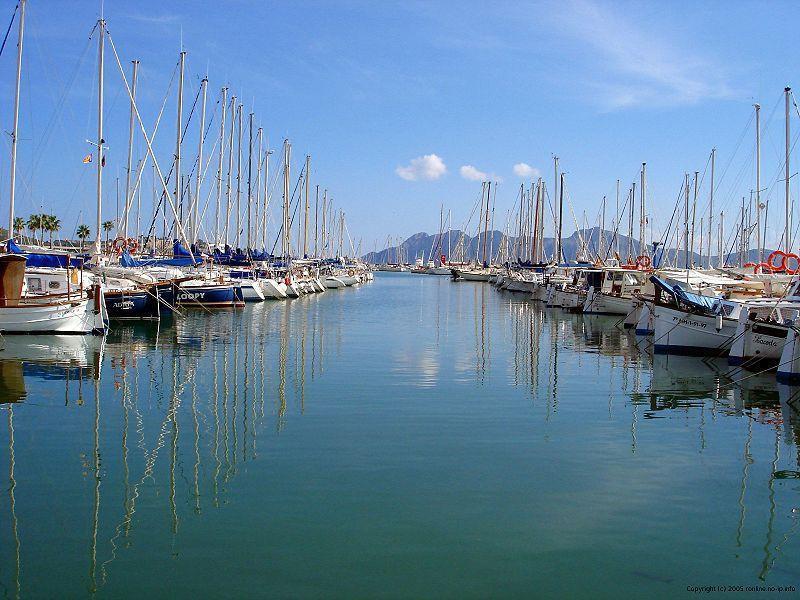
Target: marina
234, 362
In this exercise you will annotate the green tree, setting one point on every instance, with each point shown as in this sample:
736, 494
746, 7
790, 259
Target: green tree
107, 227
53, 226
19, 226
83, 233
34, 224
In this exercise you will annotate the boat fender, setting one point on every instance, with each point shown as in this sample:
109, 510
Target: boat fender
287, 280
719, 322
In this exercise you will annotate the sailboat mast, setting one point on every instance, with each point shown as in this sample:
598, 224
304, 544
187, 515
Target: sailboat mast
602, 241
643, 210
101, 26
286, 158
220, 162
260, 141
758, 184
249, 180
15, 129
325, 222
486, 222
128, 198
229, 185
178, 134
195, 226
239, 135
711, 206
616, 219
686, 225
305, 219
787, 227
316, 222
560, 218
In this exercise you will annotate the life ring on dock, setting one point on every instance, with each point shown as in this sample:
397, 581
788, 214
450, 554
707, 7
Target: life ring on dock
749, 265
785, 263
762, 268
132, 244
776, 267
119, 244
643, 261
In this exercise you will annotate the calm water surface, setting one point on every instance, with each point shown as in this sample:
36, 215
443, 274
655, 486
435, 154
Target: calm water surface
413, 437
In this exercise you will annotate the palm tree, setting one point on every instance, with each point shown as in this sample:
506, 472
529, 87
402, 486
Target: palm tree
83, 233
19, 225
34, 224
107, 227
53, 226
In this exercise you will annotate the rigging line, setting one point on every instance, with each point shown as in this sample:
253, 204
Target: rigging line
8, 30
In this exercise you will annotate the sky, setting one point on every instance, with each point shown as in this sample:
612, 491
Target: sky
405, 107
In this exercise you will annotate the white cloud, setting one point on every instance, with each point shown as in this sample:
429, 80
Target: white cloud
525, 171
428, 167
634, 66
473, 174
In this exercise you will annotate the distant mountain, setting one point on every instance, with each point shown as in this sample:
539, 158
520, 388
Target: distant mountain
430, 246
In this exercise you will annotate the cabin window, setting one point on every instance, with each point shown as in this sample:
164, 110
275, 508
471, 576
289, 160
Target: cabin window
34, 284
53, 285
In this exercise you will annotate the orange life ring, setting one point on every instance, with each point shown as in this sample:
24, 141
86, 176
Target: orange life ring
643, 261
132, 244
777, 266
119, 244
785, 266
762, 268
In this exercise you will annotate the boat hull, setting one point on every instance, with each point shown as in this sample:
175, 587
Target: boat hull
679, 332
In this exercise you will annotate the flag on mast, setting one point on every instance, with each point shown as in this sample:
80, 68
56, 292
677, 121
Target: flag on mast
87, 159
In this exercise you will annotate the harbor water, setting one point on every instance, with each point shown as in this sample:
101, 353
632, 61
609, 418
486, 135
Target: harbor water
413, 437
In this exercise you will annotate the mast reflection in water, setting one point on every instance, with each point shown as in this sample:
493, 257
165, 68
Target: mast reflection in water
411, 435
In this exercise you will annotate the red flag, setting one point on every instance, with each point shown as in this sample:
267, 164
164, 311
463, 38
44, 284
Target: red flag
103, 162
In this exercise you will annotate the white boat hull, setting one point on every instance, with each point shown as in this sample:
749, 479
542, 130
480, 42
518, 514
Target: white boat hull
76, 317
679, 332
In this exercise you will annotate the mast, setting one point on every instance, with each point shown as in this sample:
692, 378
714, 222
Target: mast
758, 184
486, 220
560, 215
220, 162
249, 180
265, 206
711, 207
787, 227
694, 209
229, 186
316, 224
325, 223
260, 136
535, 257
686, 226
128, 199
720, 250
305, 220
616, 220
178, 178
601, 241
239, 135
15, 129
193, 230
286, 158
643, 211
101, 25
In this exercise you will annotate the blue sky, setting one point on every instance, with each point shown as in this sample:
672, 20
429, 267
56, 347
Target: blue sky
368, 87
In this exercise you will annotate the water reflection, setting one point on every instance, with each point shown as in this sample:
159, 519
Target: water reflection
186, 413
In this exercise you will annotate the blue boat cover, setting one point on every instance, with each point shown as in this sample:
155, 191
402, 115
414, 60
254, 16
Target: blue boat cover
54, 261
126, 260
